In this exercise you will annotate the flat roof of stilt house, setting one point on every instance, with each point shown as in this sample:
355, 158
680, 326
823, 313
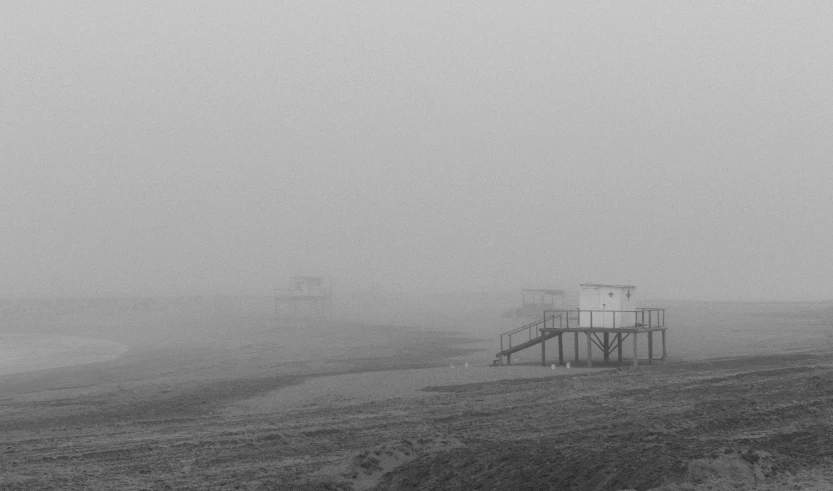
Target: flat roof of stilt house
606, 285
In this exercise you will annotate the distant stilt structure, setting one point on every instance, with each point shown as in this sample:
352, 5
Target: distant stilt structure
604, 310
535, 301
307, 296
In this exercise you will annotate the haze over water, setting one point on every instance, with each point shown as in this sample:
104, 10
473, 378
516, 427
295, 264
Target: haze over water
217, 148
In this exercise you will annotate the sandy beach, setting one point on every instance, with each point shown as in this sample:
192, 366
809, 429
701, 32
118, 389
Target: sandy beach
327, 405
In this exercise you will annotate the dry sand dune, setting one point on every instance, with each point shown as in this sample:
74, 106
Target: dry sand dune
236, 402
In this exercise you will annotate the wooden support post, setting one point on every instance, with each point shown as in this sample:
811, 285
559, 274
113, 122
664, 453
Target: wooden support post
650, 347
606, 344
589, 351
635, 358
543, 350
561, 348
619, 346
663, 345
576, 360
509, 359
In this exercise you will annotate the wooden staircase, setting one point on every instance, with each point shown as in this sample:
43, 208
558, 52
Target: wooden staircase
532, 334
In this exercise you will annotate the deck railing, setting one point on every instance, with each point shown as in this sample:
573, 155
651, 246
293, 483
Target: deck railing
640, 318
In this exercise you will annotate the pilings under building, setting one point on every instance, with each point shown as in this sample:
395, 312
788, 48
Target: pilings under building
607, 339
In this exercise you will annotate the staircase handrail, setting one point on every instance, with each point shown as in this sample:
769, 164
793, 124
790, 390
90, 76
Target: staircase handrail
528, 328
531, 324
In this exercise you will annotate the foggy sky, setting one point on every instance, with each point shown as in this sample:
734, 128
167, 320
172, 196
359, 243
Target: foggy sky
206, 147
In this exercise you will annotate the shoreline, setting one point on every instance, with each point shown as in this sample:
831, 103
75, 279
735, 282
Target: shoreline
24, 353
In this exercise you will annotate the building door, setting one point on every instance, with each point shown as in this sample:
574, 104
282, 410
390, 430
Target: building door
612, 301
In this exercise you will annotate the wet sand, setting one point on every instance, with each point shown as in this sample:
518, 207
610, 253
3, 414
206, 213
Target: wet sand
367, 387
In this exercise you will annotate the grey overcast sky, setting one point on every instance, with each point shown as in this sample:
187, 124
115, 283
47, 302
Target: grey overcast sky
207, 147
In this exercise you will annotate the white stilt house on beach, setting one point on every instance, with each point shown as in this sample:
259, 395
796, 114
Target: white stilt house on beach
607, 316
607, 305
